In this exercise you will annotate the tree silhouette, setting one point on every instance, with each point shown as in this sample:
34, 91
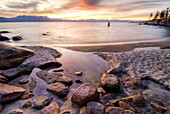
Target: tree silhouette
156, 15
150, 17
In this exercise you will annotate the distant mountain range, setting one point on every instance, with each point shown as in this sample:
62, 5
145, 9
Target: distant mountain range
24, 18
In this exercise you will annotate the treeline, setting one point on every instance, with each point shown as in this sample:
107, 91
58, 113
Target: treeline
160, 16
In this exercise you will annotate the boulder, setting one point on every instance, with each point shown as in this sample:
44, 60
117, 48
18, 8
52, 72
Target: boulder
16, 72
53, 108
11, 56
58, 89
4, 38
110, 83
3, 79
44, 57
84, 94
95, 108
17, 38
9, 93
17, 111
55, 77
117, 110
40, 102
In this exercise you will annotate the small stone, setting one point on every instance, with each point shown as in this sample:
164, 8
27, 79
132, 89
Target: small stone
3, 79
84, 94
53, 108
95, 108
3, 38
40, 102
125, 106
26, 104
158, 107
27, 95
138, 100
110, 83
58, 89
17, 111
23, 81
114, 110
79, 73
78, 81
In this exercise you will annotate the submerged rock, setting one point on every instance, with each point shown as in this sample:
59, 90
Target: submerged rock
9, 93
3, 79
23, 81
15, 72
53, 108
110, 82
95, 108
4, 32
79, 73
55, 77
84, 94
44, 57
3, 38
40, 102
58, 89
17, 38
11, 56
117, 110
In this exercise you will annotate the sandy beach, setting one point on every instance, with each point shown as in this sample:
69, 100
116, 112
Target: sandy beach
120, 47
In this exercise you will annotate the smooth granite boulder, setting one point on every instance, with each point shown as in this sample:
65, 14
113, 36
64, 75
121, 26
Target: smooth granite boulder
17, 38
9, 93
11, 56
3, 38
84, 94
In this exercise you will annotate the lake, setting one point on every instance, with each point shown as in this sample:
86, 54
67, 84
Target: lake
82, 33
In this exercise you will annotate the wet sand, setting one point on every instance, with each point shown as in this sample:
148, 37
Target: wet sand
120, 47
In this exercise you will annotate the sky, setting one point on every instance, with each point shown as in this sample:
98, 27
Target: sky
83, 9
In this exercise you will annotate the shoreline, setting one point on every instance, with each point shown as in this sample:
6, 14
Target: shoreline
119, 47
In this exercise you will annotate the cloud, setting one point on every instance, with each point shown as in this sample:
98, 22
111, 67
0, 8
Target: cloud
21, 5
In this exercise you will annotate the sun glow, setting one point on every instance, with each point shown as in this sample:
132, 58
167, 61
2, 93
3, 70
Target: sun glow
62, 16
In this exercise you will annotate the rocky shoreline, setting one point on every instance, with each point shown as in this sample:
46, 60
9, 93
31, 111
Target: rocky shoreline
36, 84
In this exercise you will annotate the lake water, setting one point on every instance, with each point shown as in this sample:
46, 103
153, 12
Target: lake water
82, 33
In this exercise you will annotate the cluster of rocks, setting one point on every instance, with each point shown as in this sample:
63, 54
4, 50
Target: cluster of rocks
4, 38
117, 93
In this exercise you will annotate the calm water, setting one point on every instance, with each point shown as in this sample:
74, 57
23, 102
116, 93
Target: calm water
82, 33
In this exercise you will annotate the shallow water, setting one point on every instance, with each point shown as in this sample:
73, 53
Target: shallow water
82, 33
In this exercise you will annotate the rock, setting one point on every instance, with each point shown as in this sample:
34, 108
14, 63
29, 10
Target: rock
26, 104
84, 94
83, 110
17, 111
158, 107
121, 69
2, 71
9, 93
55, 77
1, 108
16, 72
101, 90
44, 57
40, 102
107, 97
117, 110
136, 99
95, 108
4, 32
4, 38
125, 106
58, 89
11, 56
27, 95
17, 38
58, 70
23, 81
53, 108
3, 79
78, 81
110, 83
79, 73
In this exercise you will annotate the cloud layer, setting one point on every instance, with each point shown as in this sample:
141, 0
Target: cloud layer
83, 9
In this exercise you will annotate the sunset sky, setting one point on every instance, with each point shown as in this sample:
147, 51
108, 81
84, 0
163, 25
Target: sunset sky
83, 9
